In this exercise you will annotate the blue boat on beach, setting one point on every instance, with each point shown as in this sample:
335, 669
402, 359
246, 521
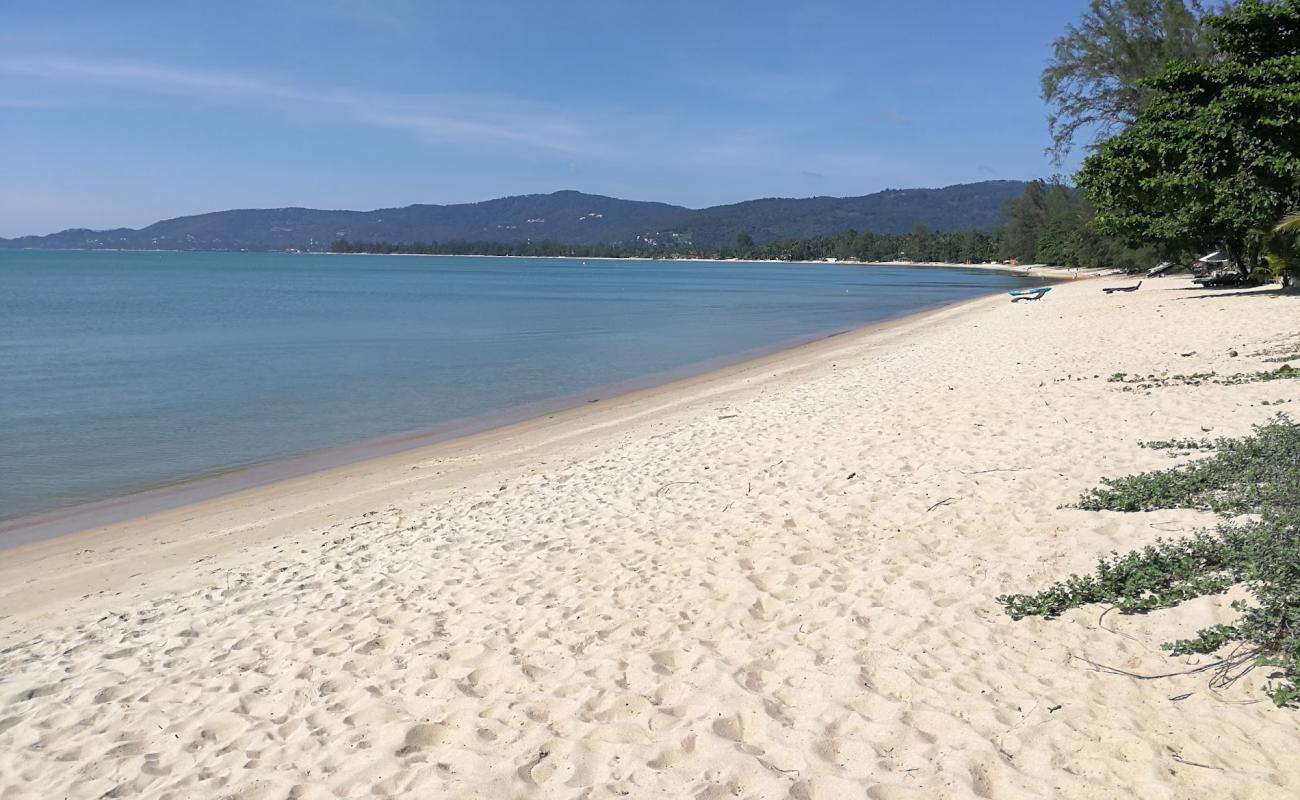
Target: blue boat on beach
1030, 294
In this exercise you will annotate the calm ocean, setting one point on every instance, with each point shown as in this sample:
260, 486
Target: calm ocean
126, 371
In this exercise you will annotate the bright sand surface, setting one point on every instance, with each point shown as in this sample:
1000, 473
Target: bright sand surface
772, 581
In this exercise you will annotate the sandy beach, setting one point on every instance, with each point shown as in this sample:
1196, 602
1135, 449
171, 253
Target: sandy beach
775, 580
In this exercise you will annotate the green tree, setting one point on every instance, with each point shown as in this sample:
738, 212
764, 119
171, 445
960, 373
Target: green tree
744, 244
1282, 249
1215, 154
1095, 77
1043, 223
1051, 224
921, 243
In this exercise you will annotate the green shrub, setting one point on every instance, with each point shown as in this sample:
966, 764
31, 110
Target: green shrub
1256, 474
1241, 476
1130, 382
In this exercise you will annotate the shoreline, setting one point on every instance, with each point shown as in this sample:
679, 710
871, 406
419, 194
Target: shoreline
1046, 271
779, 580
242, 508
97, 514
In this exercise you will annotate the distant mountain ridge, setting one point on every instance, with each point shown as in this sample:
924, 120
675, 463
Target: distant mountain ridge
567, 216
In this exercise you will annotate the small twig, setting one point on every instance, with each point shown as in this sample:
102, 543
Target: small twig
1157, 526
1181, 760
1119, 633
995, 469
1024, 716
942, 502
1126, 673
1246, 659
661, 489
1216, 696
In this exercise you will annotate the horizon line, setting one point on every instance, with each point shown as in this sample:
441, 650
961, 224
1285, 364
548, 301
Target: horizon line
511, 197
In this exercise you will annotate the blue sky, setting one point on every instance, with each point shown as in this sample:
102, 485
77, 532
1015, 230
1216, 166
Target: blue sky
119, 114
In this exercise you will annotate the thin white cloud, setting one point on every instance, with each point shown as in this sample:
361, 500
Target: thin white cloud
136, 75
440, 116
642, 138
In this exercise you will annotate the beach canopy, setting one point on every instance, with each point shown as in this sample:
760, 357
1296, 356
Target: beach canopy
1217, 257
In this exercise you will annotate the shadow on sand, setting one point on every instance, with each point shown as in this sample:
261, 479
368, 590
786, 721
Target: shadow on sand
1271, 290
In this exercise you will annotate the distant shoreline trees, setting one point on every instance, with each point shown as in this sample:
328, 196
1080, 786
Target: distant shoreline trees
922, 244
1051, 223
1048, 224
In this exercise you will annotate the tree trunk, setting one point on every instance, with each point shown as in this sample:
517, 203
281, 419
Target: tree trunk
1238, 256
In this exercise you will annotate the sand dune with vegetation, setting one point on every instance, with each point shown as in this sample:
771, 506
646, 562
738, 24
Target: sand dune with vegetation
774, 581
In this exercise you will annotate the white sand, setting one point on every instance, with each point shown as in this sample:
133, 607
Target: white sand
774, 581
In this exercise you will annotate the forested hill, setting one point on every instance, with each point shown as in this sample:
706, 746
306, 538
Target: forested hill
567, 216
968, 206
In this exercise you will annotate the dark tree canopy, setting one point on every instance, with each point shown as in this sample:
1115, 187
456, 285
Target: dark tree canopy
1258, 31
1050, 224
923, 244
1215, 154
1094, 79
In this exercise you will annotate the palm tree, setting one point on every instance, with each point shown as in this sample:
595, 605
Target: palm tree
1284, 249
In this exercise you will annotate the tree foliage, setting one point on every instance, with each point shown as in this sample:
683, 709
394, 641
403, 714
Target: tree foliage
1095, 77
1051, 224
1281, 250
1215, 155
923, 244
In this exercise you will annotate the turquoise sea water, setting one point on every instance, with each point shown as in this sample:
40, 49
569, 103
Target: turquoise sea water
126, 371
